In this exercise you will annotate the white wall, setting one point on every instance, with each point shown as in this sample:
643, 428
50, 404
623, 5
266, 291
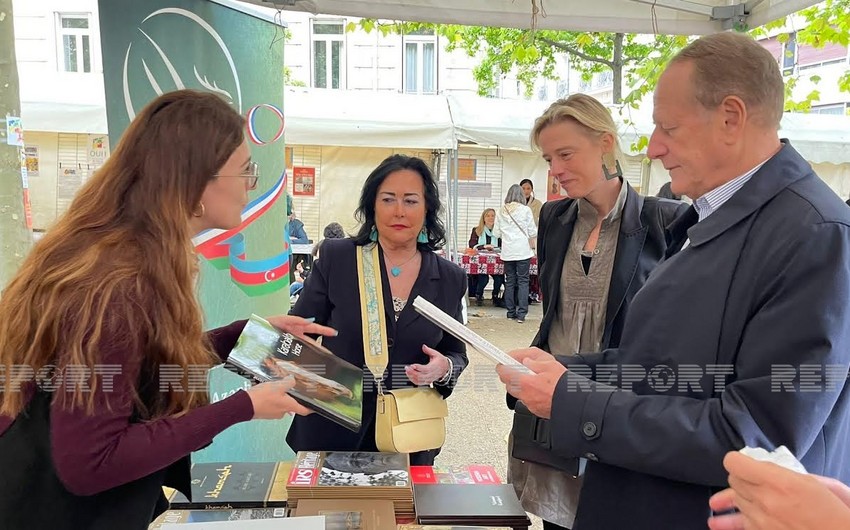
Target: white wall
38, 53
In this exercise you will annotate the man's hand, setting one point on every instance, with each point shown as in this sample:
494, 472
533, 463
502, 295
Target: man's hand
534, 390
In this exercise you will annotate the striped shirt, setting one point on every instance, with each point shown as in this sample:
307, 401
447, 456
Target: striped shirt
714, 199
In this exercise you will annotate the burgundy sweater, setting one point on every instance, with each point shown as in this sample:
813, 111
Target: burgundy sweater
97, 452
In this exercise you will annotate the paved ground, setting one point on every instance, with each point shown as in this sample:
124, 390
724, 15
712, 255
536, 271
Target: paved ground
479, 420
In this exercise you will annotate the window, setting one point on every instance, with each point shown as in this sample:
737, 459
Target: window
789, 55
420, 62
838, 109
74, 42
328, 54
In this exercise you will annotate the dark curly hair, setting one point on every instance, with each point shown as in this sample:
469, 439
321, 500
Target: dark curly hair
365, 213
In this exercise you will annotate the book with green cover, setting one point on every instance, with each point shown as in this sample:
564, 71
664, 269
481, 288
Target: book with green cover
324, 383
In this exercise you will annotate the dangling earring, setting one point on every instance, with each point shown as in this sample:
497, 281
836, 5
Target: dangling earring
423, 236
608, 162
373, 235
203, 211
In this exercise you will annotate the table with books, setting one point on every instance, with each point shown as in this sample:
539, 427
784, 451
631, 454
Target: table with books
330, 490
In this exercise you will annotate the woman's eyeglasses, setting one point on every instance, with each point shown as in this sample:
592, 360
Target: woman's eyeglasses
252, 174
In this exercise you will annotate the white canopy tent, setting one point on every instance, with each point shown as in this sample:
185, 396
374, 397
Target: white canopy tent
680, 17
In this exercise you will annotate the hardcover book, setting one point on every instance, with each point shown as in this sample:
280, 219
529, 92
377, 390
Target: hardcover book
341, 468
324, 383
494, 505
231, 485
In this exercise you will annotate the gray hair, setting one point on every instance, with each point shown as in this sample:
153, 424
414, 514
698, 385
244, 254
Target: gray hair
515, 194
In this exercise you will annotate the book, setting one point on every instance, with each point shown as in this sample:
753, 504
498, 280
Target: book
448, 324
471, 474
209, 516
324, 383
289, 523
349, 514
231, 485
486, 505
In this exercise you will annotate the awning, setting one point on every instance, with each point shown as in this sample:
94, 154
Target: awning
680, 17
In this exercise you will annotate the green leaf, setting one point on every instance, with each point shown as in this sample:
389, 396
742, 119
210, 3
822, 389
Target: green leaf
350, 27
642, 143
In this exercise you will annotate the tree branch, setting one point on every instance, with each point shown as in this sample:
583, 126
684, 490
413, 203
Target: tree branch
572, 51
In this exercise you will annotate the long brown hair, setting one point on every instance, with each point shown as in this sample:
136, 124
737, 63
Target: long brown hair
118, 268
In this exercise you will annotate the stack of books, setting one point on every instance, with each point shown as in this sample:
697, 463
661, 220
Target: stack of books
349, 514
469, 504
339, 475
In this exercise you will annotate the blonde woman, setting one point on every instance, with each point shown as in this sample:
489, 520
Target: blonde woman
595, 250
516, 227
482, 238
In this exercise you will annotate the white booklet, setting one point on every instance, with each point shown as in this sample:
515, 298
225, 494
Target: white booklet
472, 339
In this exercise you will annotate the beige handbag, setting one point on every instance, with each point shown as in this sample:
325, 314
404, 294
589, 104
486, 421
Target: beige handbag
407, 420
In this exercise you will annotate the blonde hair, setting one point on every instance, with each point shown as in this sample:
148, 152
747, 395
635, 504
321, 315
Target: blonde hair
754, 75
584, 110
480, 228
118, 268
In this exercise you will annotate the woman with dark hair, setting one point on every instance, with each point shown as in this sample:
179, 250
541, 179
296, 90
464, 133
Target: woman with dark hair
104, 302
530, 200
399, 214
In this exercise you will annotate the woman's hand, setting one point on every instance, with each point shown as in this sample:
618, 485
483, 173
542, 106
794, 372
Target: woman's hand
770, 497
300, 326
425, 374
271, 402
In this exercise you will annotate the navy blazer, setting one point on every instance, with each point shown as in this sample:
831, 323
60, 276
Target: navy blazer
641, 246
714, 355
331, 295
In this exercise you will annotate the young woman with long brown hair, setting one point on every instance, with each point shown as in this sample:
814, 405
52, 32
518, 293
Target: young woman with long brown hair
89, 432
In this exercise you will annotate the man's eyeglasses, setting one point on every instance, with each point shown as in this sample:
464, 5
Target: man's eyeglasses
252, 173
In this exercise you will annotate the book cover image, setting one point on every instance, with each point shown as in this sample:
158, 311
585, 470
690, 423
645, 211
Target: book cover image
228, 485
471, 474
325, 383
338, 468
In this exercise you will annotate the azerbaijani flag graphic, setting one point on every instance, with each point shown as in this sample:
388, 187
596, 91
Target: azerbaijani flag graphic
226, 249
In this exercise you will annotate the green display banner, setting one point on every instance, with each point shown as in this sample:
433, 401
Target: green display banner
155, 46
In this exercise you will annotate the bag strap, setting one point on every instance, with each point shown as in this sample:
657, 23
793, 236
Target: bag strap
372, 311
517, 224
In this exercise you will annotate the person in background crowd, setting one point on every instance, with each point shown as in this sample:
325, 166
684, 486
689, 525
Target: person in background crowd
666, 193
482, 239
516, 228
535, 205
104, 304
595, 251
530, 200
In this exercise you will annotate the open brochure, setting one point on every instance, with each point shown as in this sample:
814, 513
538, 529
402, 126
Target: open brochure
472, 339
325, 383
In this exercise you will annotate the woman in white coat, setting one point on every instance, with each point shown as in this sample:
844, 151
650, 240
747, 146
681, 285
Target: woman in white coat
515, 225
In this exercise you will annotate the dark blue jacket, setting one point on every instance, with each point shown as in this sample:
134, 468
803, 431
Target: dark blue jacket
722, 330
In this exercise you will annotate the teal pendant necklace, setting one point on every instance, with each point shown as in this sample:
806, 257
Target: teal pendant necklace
396, 269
